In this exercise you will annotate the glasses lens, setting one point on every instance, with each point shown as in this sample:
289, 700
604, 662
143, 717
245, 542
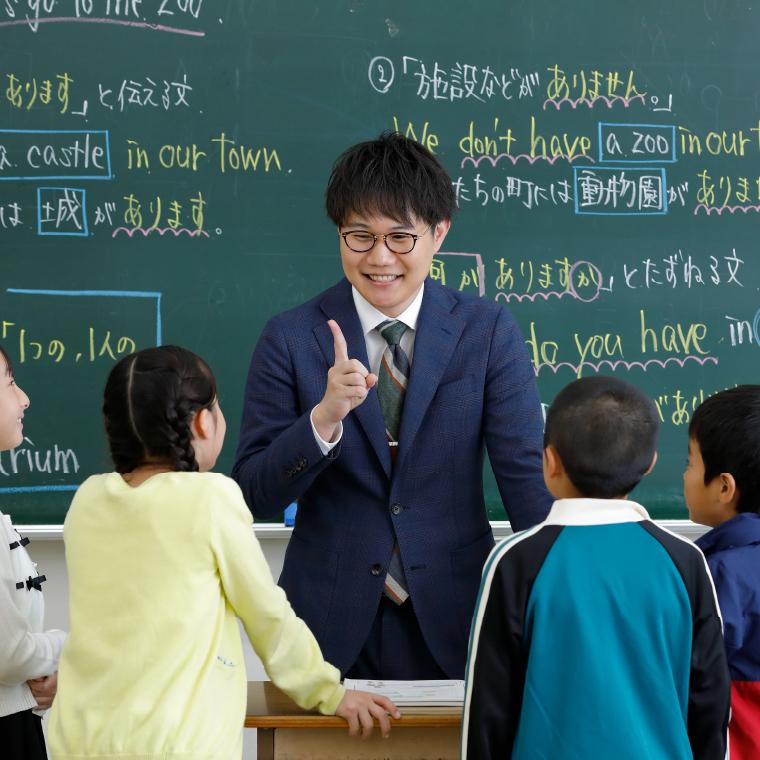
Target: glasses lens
359, 241
400, 242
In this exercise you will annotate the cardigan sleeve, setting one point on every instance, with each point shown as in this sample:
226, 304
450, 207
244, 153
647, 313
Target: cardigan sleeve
286, 646
23, 653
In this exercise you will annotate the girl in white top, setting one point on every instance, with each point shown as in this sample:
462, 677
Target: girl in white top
28, 656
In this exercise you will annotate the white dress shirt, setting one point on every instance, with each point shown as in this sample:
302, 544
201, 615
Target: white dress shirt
370, 318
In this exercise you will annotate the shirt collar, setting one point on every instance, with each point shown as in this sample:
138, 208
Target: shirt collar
595, 512
742, 530
370, 317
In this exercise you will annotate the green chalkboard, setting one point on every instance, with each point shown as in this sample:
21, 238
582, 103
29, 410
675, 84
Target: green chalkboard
162, 167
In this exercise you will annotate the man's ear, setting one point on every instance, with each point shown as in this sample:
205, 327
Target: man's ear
201, 425
439, 233
652, 464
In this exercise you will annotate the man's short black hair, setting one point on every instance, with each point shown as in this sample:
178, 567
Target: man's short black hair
726, 427
605, 432
392, 176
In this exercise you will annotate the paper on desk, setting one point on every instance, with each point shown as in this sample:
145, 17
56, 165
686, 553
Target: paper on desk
449, 693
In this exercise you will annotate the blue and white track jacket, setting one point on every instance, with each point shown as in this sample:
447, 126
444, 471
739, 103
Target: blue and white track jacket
596, 635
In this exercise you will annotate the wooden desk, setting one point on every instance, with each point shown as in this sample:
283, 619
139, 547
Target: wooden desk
286, 732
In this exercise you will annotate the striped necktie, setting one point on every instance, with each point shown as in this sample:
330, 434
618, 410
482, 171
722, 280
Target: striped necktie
392, 378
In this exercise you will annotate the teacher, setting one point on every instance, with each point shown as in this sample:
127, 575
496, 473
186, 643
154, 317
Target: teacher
371, 406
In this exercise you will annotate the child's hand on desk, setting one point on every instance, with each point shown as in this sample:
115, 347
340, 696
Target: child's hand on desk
357, 708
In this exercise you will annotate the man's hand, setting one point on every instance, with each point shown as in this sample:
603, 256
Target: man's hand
43, 690
348, 383
358, 709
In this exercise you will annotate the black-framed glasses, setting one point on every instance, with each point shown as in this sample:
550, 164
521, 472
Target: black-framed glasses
401, 243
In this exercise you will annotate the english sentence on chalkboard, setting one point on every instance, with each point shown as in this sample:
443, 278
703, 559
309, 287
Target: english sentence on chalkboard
135, 13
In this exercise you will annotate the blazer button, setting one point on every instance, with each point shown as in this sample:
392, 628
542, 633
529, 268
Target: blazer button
376, 569
396, 509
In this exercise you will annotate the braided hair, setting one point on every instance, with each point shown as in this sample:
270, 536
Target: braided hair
148, 404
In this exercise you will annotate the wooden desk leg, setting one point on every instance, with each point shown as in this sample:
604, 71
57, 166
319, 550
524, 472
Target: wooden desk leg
265, 743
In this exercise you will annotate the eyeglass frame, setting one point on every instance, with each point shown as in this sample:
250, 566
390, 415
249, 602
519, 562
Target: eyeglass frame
414, 237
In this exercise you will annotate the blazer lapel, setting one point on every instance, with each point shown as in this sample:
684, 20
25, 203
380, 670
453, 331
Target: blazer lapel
338, 304
438, 332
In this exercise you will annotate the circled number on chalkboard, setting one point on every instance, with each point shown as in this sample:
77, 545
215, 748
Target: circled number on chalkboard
381, 73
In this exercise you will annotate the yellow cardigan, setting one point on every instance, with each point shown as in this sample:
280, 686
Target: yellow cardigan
153, 666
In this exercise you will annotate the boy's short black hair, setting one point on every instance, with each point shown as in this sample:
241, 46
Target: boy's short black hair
605, 432
726, 427
392, 176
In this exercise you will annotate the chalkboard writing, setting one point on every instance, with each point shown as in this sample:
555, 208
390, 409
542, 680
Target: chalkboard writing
163, 162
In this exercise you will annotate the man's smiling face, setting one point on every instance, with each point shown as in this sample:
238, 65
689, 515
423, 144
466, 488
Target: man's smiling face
390, 281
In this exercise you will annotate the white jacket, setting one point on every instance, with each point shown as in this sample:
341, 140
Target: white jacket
25, 650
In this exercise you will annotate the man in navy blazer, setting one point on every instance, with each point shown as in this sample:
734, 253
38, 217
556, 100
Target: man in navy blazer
313, 430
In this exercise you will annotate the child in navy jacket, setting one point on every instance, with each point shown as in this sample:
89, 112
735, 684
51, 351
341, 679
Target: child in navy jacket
722, 490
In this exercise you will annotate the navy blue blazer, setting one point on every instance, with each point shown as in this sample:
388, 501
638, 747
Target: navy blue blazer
471, 383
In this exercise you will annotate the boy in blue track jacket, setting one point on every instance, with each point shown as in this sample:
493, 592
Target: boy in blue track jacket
596, 633
722, 490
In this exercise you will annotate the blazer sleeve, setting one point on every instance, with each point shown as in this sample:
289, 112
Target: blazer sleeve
23, 653
287, 648
513, 426
278, 456
709, 684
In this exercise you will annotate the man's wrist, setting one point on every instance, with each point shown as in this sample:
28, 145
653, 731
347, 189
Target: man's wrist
324, 428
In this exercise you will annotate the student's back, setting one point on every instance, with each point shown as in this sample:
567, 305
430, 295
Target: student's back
147, 608
162, 558
601, 639
596, 633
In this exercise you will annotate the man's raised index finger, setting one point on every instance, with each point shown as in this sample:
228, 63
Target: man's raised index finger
341, 347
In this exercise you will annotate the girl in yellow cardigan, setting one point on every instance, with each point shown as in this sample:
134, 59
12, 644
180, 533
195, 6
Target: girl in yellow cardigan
162, 560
